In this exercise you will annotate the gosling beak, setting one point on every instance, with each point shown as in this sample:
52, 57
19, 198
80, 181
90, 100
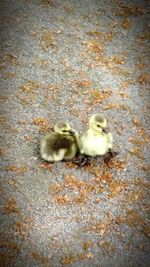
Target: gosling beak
72, 132
105, 130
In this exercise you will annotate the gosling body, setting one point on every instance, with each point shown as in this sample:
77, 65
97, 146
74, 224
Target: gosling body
60, 144
95, 141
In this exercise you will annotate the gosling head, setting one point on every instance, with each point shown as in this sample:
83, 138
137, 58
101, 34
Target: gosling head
62, 127
97, 122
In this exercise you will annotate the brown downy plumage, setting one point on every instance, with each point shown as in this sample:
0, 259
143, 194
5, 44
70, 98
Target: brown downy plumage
60, 144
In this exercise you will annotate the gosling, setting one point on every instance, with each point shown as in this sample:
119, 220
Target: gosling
96, 141
59, 145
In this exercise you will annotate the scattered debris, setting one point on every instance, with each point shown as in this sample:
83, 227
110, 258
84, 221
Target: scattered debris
48, 39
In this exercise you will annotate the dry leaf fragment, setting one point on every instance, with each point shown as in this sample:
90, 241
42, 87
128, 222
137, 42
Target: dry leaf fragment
81, 198
144, 79
137, 122
83, 83
141, 65
43, 124
144, 36
146, 229
118, 164
117, 60
98, 96
29, 138
142, 183
129, 9
11, 207
145, 167
116, 70
11, 59
40, 121
3, 98
120, 220
9, 252
55, 188
48, 2
29, 87
17, 170
115, 187
135, 196
8, 75
40, 258
117, 106
70, 165
42, 63
69, 8
105, 36
84, 256
73, 182
132, 218
106, 247
69, 259
107, 176
137, 152
22, 227
100, 228
48, 39
95, 33
47, 166
137, 141
124, 95
126, 83
94, 46
87, 244
62, 200
126, 23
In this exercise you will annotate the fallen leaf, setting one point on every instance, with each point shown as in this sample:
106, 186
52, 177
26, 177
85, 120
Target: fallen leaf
83, 83
72, 182
55, 188
115, 187
17, 170
69, 259
144, 79
11, 207
40, 258
137, 152
87, 244
29, 87
48, 39
11, 59
62, 200
117, 106
137, 122
126, 23
124, 95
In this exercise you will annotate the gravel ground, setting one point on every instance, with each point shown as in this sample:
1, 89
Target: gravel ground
68, 59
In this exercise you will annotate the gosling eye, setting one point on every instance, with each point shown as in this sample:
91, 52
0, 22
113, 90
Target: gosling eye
65, 131
98, 126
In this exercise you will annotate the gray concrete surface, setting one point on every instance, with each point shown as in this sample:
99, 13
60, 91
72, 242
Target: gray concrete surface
68, 59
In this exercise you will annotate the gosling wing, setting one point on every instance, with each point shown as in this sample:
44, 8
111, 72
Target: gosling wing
62, 142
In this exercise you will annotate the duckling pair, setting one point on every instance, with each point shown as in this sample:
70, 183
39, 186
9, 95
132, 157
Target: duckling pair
64, 143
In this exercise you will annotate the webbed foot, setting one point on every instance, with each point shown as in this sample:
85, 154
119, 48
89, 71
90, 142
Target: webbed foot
81, 161
113, 153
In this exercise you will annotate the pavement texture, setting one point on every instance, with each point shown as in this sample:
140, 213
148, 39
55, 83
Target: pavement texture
67, 60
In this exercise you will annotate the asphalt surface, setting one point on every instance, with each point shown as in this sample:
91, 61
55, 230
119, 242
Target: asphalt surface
67, 60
